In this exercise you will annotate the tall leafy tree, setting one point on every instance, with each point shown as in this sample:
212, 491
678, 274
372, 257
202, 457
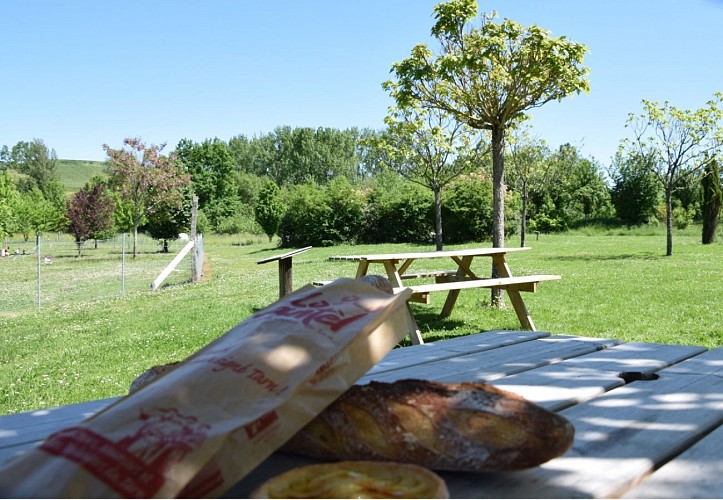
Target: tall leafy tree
528, 165
36, 214
677, 144
431, 148
712, 199
8, 205
146, 178
635, 192
37, 161
269, 208
89, 212
488, 77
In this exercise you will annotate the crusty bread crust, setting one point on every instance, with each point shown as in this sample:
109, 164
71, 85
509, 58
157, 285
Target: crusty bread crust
458, 426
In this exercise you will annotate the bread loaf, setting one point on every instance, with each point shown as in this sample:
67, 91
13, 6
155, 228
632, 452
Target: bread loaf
354, 479
459, 426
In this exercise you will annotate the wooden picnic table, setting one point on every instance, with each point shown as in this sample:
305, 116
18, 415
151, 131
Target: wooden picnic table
654, 432
398, 268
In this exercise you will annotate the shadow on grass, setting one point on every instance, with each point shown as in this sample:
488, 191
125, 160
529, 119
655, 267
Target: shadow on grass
595, 257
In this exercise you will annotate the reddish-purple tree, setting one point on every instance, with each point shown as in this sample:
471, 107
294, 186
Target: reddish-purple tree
146, 178
90, 212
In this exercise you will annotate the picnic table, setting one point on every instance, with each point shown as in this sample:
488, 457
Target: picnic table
647, 416
398, 268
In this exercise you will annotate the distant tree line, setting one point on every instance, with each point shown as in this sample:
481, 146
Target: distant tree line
351, 190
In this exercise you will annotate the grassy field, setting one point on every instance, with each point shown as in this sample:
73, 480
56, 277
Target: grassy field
616, 284
75, 173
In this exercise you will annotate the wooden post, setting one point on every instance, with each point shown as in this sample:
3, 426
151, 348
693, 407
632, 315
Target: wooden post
285, 273
194, 252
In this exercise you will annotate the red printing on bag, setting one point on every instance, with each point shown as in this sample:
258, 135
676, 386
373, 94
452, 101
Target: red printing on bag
135, 465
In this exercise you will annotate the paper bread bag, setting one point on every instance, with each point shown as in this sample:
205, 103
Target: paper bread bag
201, 427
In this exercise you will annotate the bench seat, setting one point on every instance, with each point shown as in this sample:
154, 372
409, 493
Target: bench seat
521, 283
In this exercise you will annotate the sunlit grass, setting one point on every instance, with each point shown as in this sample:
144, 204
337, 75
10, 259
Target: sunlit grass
87, 341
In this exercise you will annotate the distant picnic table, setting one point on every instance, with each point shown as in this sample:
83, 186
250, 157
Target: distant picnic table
398, 267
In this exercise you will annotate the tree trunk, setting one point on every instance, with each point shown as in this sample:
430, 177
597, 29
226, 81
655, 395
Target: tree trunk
711, 201
498, 202
523, 224
135, 239
669, 221
438, 217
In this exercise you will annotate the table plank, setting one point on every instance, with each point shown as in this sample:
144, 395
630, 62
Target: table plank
703, 461
585, 377
22, 431
379, 257
496, 363
404, 357
619, 437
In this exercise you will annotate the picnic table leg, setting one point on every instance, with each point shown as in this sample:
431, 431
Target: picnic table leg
453, 294
393, 274
415, 334
362, 268
285, 277
514, 294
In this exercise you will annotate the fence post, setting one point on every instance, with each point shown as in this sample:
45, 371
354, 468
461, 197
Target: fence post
123, 265
194, 252
37, 246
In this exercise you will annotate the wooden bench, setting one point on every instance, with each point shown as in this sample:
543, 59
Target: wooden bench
285, 269
439, 276
513, 285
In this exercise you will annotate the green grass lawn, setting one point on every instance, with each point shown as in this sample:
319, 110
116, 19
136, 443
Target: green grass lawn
89, 342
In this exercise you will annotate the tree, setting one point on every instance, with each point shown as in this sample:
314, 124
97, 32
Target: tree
90, 212
169, 220
8, 205
431, 148
677, 144
146, 179
712, 199
635, 192
488, 77
35, 160
212, 168
36, 214
527, 161
269, 208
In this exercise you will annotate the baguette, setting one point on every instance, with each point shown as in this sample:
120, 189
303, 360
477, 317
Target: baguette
459, 426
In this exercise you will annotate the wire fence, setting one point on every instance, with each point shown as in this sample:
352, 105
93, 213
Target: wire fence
50, 271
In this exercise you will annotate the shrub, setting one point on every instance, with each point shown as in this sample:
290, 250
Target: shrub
398, 211
322, 216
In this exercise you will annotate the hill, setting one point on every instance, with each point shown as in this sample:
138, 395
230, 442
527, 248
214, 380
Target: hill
75, 173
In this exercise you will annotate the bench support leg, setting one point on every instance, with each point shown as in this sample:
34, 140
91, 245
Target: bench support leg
453, 294
285, 277
415, 334
521, 309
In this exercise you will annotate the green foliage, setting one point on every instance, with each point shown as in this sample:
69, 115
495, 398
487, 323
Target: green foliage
297, 155
467, 210
269, 208
212, 169
488, 77
636, 191
148, 179
677, 143
322, 215
398, 211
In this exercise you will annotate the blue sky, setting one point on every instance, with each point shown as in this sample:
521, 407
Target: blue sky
81, 73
